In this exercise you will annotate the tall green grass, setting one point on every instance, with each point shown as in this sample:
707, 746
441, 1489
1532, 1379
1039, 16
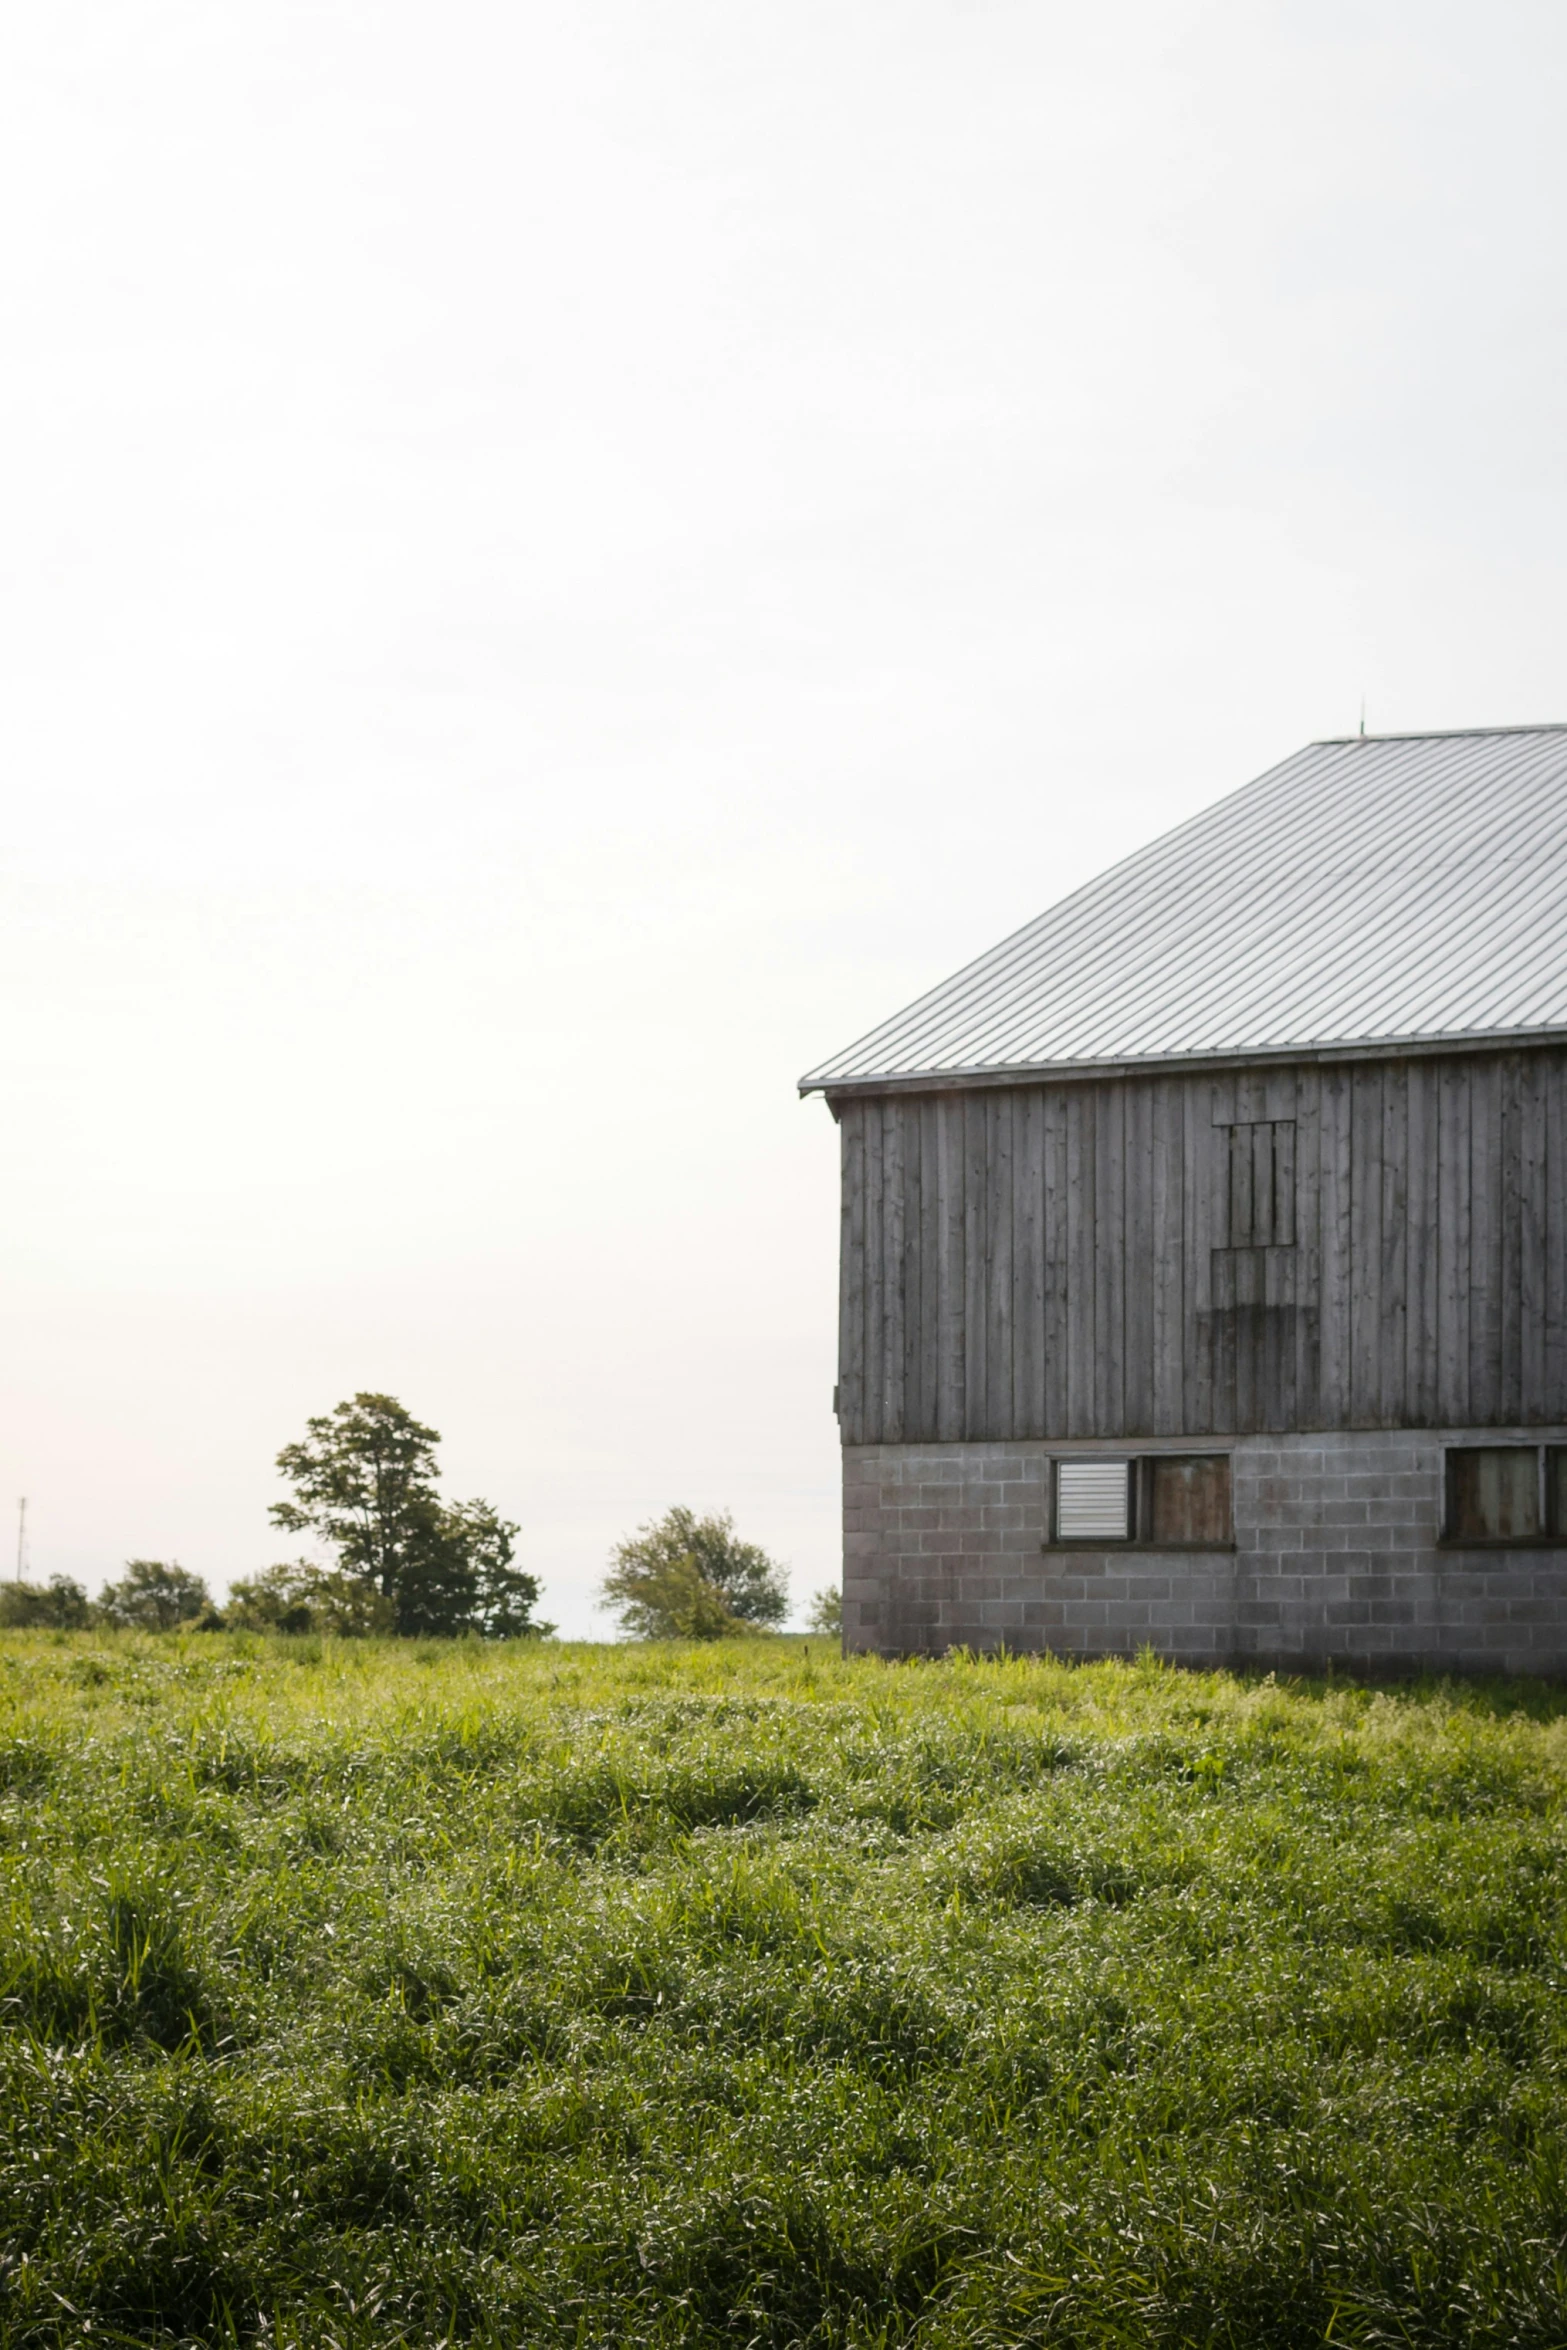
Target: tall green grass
370, 1994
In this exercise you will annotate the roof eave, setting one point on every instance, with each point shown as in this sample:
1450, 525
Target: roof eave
1376, 1048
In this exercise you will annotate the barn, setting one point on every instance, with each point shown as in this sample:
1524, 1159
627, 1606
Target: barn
1204, 1245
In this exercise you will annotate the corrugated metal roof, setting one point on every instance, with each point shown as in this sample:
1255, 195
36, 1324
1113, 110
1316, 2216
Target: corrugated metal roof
1389, 889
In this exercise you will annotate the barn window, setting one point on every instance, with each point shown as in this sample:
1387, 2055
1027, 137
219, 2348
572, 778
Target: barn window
1556, 1489
1262, 1183
1493, 1493
1162, 1501
1093, 1501
1186, 1498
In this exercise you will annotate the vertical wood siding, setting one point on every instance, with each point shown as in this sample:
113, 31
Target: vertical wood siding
1061, 1260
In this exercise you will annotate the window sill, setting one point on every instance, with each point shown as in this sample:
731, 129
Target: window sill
1502, 1542
1107, 1542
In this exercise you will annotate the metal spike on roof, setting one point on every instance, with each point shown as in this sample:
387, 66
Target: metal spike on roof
1386, 889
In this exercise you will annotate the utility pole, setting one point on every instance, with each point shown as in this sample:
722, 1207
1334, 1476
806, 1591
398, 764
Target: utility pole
21, 1536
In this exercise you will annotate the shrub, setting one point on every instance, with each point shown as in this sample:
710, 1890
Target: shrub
154, 1595
59, 1605
681, 1577
825, 1613
297, 1596
671, 1601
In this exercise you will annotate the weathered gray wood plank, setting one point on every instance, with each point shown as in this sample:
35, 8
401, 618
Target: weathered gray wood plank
1203, 1175
922, 1344
851, 1276
1554, 1074
1420, 1244
1028, 1263
1306, 1108
1334, 1195
1453, 1167
1533, 1279
1166, 1285
1058, 1400
1391, 1305
1485, 1242
1510, 1144
894, 1207
1365, 1241
973, 1113
1279, 1409
873, 1405
1138, 1256
1080, 1139
1001, 1343
951, 1349
1109, 1268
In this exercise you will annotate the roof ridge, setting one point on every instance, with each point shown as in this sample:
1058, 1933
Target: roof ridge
1433, 734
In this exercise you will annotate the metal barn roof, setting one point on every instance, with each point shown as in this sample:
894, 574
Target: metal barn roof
1389, 889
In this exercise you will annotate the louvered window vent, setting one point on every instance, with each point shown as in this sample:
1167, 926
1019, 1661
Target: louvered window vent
1092, 1501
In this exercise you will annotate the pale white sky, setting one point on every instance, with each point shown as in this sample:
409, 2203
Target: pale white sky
562, 560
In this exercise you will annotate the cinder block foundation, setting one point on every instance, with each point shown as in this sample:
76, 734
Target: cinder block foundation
1337, 1558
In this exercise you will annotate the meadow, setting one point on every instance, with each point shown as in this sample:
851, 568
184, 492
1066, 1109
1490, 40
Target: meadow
366, 1993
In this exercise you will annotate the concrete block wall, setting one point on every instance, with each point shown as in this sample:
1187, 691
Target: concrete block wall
1337, 1556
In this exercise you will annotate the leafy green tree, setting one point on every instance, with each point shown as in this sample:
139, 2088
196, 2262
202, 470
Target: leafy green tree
825, 1613
438, 1586
60, 1605
503, 1597
681, 1577
670, 1600
154, 1595
298, 1596
364, 1483
273, 1601
459, 1577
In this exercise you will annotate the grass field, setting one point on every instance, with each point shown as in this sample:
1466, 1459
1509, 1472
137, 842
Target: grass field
366, 1994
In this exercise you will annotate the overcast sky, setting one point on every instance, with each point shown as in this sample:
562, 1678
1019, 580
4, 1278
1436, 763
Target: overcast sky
560, 561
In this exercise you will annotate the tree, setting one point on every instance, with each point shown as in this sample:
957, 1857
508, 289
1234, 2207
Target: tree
153, 1595
298, 1596
273, 1601
825, 1613
670, 1600
459, 1577
503, 1597
365, 1483
681, 1577
59, 1604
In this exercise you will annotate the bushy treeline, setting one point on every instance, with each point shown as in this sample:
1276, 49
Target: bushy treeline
153, 1595
404, 1561
59, 1605
157, 1595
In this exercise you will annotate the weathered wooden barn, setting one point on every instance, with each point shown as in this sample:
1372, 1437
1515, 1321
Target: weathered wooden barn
1204, 1273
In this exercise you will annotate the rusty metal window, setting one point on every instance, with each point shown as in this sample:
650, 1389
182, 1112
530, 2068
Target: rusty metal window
1261, 1183
1186, 1499
1093, 1501
1494, 1493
